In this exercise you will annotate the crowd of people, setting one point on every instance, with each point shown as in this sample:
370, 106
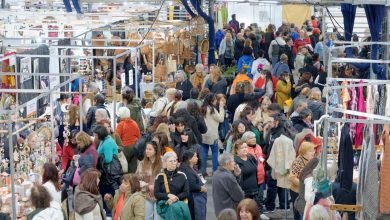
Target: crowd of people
154, 163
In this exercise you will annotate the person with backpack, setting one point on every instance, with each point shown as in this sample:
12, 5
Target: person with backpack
281, 66
256, 68
246, 60
276, 48
134, 104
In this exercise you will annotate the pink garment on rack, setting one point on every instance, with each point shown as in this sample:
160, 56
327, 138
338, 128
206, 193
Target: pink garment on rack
361, 108
353, 107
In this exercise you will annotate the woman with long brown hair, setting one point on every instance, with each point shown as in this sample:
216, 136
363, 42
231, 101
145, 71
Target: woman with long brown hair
128, 202
148, 168
88, 202
50, 181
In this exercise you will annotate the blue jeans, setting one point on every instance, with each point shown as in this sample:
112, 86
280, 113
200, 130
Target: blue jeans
200, 205
75, 5
151, 211
274, 61
272, 191
214, 156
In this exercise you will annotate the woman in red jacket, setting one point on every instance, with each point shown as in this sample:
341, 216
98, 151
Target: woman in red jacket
68, 151
129, 133
302, 41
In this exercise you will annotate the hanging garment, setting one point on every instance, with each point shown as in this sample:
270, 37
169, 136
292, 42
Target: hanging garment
379, 110
334, 99
361, 108
387, 112
372, 96
384, 184
281, 157
353, 107
345, 96
345, 161
368, 186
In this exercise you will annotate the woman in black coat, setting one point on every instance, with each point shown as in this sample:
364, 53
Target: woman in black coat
196, 186
302, 121
177, 181
197, 125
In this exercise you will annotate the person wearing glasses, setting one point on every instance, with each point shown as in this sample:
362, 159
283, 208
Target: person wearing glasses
171, 189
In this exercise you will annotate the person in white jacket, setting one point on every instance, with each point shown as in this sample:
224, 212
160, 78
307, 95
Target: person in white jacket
159, 104
54, 212
274, 48
256, 71
212, 117
45, 207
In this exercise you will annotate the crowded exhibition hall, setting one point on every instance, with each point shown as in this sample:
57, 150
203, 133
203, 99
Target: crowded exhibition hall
195, 110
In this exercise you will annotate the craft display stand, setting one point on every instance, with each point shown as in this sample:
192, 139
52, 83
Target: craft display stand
11, 133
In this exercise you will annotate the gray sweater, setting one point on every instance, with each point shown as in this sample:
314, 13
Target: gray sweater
227, 193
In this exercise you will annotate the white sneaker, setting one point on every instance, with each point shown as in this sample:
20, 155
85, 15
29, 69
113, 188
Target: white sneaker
263, 217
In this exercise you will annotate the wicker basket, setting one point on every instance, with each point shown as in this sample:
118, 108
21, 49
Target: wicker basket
197, 26
204, 46
148, 95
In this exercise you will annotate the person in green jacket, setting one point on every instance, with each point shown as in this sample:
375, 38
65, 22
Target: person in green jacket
128, 202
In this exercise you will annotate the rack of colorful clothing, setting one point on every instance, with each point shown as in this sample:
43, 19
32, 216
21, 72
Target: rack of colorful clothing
353, 116
369, 197
358, 98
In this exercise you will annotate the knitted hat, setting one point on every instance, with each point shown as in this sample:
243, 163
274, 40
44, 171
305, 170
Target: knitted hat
248, 135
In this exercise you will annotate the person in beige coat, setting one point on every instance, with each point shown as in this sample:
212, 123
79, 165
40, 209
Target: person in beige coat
128, 202
213, 117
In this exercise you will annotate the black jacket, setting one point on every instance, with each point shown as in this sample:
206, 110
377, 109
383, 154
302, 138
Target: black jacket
236, 99
177, 183
271, 136
299, 124
317, 108
175, 138
291, 58
248, 175
186, 87
238, 48
345, 160
217, 88
91, 122
181, 147
311, 69
256, 48
194, 184
198, 126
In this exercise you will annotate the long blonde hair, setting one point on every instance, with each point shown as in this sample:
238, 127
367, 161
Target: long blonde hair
215, 73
